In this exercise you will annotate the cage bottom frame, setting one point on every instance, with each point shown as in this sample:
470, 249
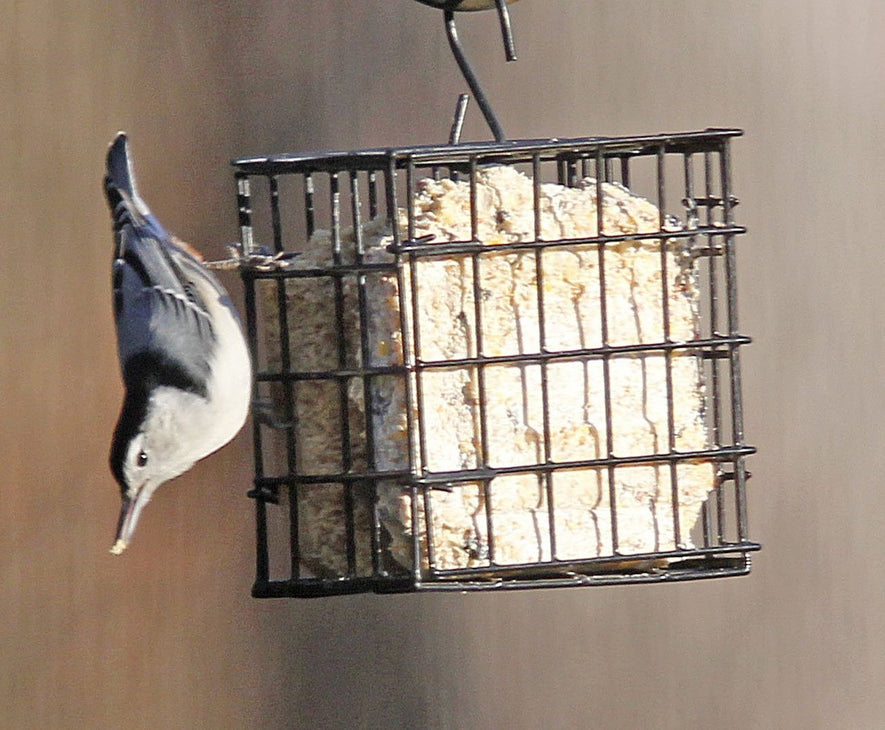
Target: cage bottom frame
728, 558
734, 561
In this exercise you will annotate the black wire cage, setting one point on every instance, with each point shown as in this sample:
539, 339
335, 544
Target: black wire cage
496, 365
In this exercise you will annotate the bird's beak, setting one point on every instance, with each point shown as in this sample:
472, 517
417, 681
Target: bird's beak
129, 512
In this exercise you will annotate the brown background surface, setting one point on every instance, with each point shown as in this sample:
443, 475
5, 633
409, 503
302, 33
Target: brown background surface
168, 636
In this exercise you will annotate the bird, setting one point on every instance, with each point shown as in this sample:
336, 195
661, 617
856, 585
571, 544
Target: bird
184, 361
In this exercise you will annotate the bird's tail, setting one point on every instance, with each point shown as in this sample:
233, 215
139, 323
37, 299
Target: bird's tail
127, 206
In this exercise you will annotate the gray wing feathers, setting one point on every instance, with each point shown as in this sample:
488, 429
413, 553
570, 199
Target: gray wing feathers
159, 307
160, 317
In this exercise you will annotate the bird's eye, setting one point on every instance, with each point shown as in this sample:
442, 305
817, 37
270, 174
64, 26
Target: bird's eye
142, 458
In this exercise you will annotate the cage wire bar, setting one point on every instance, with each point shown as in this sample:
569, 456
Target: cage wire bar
326, 203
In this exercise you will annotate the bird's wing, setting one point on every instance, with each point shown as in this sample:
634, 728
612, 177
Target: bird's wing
159, 310
159, 313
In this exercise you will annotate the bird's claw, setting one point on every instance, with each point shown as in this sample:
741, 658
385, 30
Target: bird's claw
266, 414
258, 258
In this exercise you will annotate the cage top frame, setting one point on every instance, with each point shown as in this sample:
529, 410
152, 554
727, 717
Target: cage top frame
506, 151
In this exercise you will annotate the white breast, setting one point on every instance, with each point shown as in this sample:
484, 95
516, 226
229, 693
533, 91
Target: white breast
230, 388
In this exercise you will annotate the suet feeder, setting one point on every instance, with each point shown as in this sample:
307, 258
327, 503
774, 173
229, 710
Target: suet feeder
495, 365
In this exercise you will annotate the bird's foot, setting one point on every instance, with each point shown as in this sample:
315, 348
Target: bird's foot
266, 413
259, 258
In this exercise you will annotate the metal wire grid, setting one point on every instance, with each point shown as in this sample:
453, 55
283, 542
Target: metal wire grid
341, 191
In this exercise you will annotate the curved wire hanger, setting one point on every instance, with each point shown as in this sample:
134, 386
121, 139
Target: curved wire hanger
449, 7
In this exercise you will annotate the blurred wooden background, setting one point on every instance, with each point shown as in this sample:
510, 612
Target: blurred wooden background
168, 636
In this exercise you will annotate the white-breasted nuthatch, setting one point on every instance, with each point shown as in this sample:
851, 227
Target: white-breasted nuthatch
184, 360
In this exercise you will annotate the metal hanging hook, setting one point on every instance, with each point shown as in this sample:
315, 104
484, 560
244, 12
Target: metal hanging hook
449, 7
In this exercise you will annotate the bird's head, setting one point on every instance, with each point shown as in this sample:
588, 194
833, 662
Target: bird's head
150, 447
